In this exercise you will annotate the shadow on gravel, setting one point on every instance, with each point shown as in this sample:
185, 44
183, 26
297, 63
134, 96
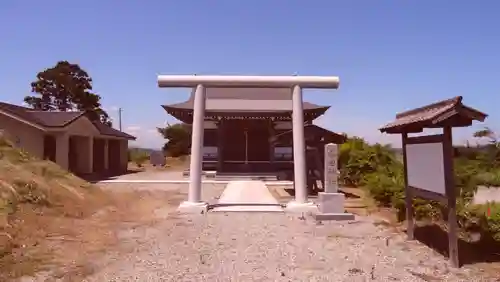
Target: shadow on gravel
314, 193
485, 250
210, 207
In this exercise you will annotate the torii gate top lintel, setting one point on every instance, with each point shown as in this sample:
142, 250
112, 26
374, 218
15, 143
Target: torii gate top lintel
190, 81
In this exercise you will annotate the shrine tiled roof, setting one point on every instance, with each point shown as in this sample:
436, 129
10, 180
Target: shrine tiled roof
434, 115
316, 133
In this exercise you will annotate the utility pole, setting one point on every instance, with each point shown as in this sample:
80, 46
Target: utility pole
120, 118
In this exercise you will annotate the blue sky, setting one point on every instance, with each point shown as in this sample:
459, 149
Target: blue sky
389, 55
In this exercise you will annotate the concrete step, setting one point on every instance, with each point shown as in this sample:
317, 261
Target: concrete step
235, 176
246, 177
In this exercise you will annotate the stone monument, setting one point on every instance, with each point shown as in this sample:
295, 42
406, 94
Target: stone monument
331, 202
157, 159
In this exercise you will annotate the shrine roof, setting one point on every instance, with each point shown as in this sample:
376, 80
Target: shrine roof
449, 112
316, 133
245, 100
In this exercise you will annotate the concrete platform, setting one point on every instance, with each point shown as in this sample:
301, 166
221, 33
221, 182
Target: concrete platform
192, 208
246, 196
486, 194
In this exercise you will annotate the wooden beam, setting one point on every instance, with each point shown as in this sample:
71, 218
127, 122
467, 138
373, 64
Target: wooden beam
437, 138
410, 224
424, 194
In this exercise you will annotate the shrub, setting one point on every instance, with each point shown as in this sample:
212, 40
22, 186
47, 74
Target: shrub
358, 159
29, 192
138, 156
491, 178
482, 218
384, 188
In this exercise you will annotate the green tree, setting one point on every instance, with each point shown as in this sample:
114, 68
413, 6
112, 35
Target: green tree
490, 155
178, 138
486, 133
66, 87
358, 158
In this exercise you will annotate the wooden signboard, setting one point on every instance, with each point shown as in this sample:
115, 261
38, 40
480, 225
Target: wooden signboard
428, 160
428, 164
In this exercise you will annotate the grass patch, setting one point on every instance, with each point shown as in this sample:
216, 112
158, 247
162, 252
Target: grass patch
34, 196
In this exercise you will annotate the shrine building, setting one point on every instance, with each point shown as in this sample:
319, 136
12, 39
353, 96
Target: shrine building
249, 130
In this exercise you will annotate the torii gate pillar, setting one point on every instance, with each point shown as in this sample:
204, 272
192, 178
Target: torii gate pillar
194, 204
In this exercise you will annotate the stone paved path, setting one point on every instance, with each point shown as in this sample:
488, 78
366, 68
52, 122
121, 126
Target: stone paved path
241, 196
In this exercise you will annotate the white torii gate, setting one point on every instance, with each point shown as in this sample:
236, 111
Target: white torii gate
295, 83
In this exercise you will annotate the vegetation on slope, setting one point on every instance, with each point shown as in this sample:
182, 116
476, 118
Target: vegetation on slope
139, 156
35, 195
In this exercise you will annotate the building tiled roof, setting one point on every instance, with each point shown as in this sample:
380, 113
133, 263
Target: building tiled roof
110, 131
57, 119
433, 115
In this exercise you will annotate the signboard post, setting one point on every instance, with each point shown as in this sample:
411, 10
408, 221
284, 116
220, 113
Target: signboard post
331, 202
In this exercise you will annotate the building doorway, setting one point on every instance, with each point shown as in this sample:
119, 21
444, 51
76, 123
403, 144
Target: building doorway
49, 148
246, 146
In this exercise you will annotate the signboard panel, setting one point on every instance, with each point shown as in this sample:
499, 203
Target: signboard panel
425, 167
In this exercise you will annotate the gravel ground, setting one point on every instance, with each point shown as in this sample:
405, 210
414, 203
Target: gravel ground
270, 247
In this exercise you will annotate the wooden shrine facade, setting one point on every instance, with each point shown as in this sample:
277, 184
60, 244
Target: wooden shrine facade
256, 145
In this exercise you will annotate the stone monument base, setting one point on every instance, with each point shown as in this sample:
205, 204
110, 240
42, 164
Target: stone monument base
331, 207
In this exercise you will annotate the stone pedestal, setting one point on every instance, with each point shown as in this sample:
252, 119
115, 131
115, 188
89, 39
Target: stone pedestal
331, 202
331, 207
193, 208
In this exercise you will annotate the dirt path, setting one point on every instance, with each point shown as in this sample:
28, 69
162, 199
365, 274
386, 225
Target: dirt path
71, 246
